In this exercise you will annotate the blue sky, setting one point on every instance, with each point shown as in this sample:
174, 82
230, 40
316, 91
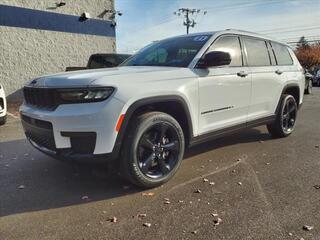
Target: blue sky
144, 21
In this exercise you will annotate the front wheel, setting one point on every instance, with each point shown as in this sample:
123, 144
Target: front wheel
286, 118
153, 150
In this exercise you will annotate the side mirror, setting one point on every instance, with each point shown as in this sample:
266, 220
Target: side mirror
215, 58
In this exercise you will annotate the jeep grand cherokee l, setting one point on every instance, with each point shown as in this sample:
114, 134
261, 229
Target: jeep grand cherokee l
174, 93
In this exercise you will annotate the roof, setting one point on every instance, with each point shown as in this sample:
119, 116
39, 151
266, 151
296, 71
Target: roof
236, 31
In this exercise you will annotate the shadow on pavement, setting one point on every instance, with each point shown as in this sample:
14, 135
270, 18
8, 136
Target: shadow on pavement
245, 136
49, 184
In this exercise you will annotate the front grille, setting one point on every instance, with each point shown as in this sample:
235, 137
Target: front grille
44, 98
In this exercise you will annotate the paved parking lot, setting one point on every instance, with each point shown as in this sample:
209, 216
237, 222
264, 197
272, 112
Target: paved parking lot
261, 188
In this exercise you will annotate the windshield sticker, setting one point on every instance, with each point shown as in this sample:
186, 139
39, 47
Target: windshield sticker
200, 38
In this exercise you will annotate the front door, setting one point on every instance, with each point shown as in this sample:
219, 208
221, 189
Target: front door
224, 91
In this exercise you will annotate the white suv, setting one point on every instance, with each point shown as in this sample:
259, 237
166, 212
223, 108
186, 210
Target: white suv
174, 93
3, 106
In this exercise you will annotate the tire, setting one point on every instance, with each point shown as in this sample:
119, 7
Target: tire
3, 120
308, 90
153, 149
284, 124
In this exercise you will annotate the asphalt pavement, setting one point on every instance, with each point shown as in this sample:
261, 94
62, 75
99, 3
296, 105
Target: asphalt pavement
245, 186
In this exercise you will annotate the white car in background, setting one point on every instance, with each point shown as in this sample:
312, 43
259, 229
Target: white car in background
3, 106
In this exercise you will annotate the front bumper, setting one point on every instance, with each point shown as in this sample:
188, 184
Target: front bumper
74, 131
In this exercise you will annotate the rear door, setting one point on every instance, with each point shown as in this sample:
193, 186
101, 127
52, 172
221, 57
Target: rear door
224, 91
266, 77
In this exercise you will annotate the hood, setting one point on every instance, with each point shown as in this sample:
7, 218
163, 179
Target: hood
103, 76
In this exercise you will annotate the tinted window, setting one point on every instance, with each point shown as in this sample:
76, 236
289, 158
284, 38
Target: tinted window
257, 52
173, 52
231, 45
282, 54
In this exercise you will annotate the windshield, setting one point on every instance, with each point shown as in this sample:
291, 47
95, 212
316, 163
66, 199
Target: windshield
173, 52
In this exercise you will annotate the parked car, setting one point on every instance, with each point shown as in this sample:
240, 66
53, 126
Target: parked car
102, 60
317, 79
3, 106
309, 81
176, 93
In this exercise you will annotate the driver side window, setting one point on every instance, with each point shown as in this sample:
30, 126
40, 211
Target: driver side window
231, 45
158, 56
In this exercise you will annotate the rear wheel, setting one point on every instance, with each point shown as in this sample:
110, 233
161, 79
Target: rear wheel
285, 121
154, 149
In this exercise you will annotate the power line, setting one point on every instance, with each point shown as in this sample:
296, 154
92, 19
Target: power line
186, 12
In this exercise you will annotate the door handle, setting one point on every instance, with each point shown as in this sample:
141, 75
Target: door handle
242, 74
278, 72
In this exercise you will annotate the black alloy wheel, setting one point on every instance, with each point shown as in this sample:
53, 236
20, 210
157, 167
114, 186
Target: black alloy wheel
153, 149
158, 150
289, 115
286, 118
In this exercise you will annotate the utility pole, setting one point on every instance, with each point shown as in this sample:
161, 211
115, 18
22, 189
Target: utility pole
186, 12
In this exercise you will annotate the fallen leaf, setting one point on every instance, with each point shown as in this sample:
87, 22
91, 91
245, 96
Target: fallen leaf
113, 220
217, 221
307, 228
148, 194
147, 224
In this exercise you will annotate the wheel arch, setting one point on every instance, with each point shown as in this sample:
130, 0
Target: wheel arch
173, 105
292, 89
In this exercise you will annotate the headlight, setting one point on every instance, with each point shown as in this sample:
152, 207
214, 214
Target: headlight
84, 95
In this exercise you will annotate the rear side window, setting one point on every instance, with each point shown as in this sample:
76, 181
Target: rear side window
282, 54
257, 52
231, 45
